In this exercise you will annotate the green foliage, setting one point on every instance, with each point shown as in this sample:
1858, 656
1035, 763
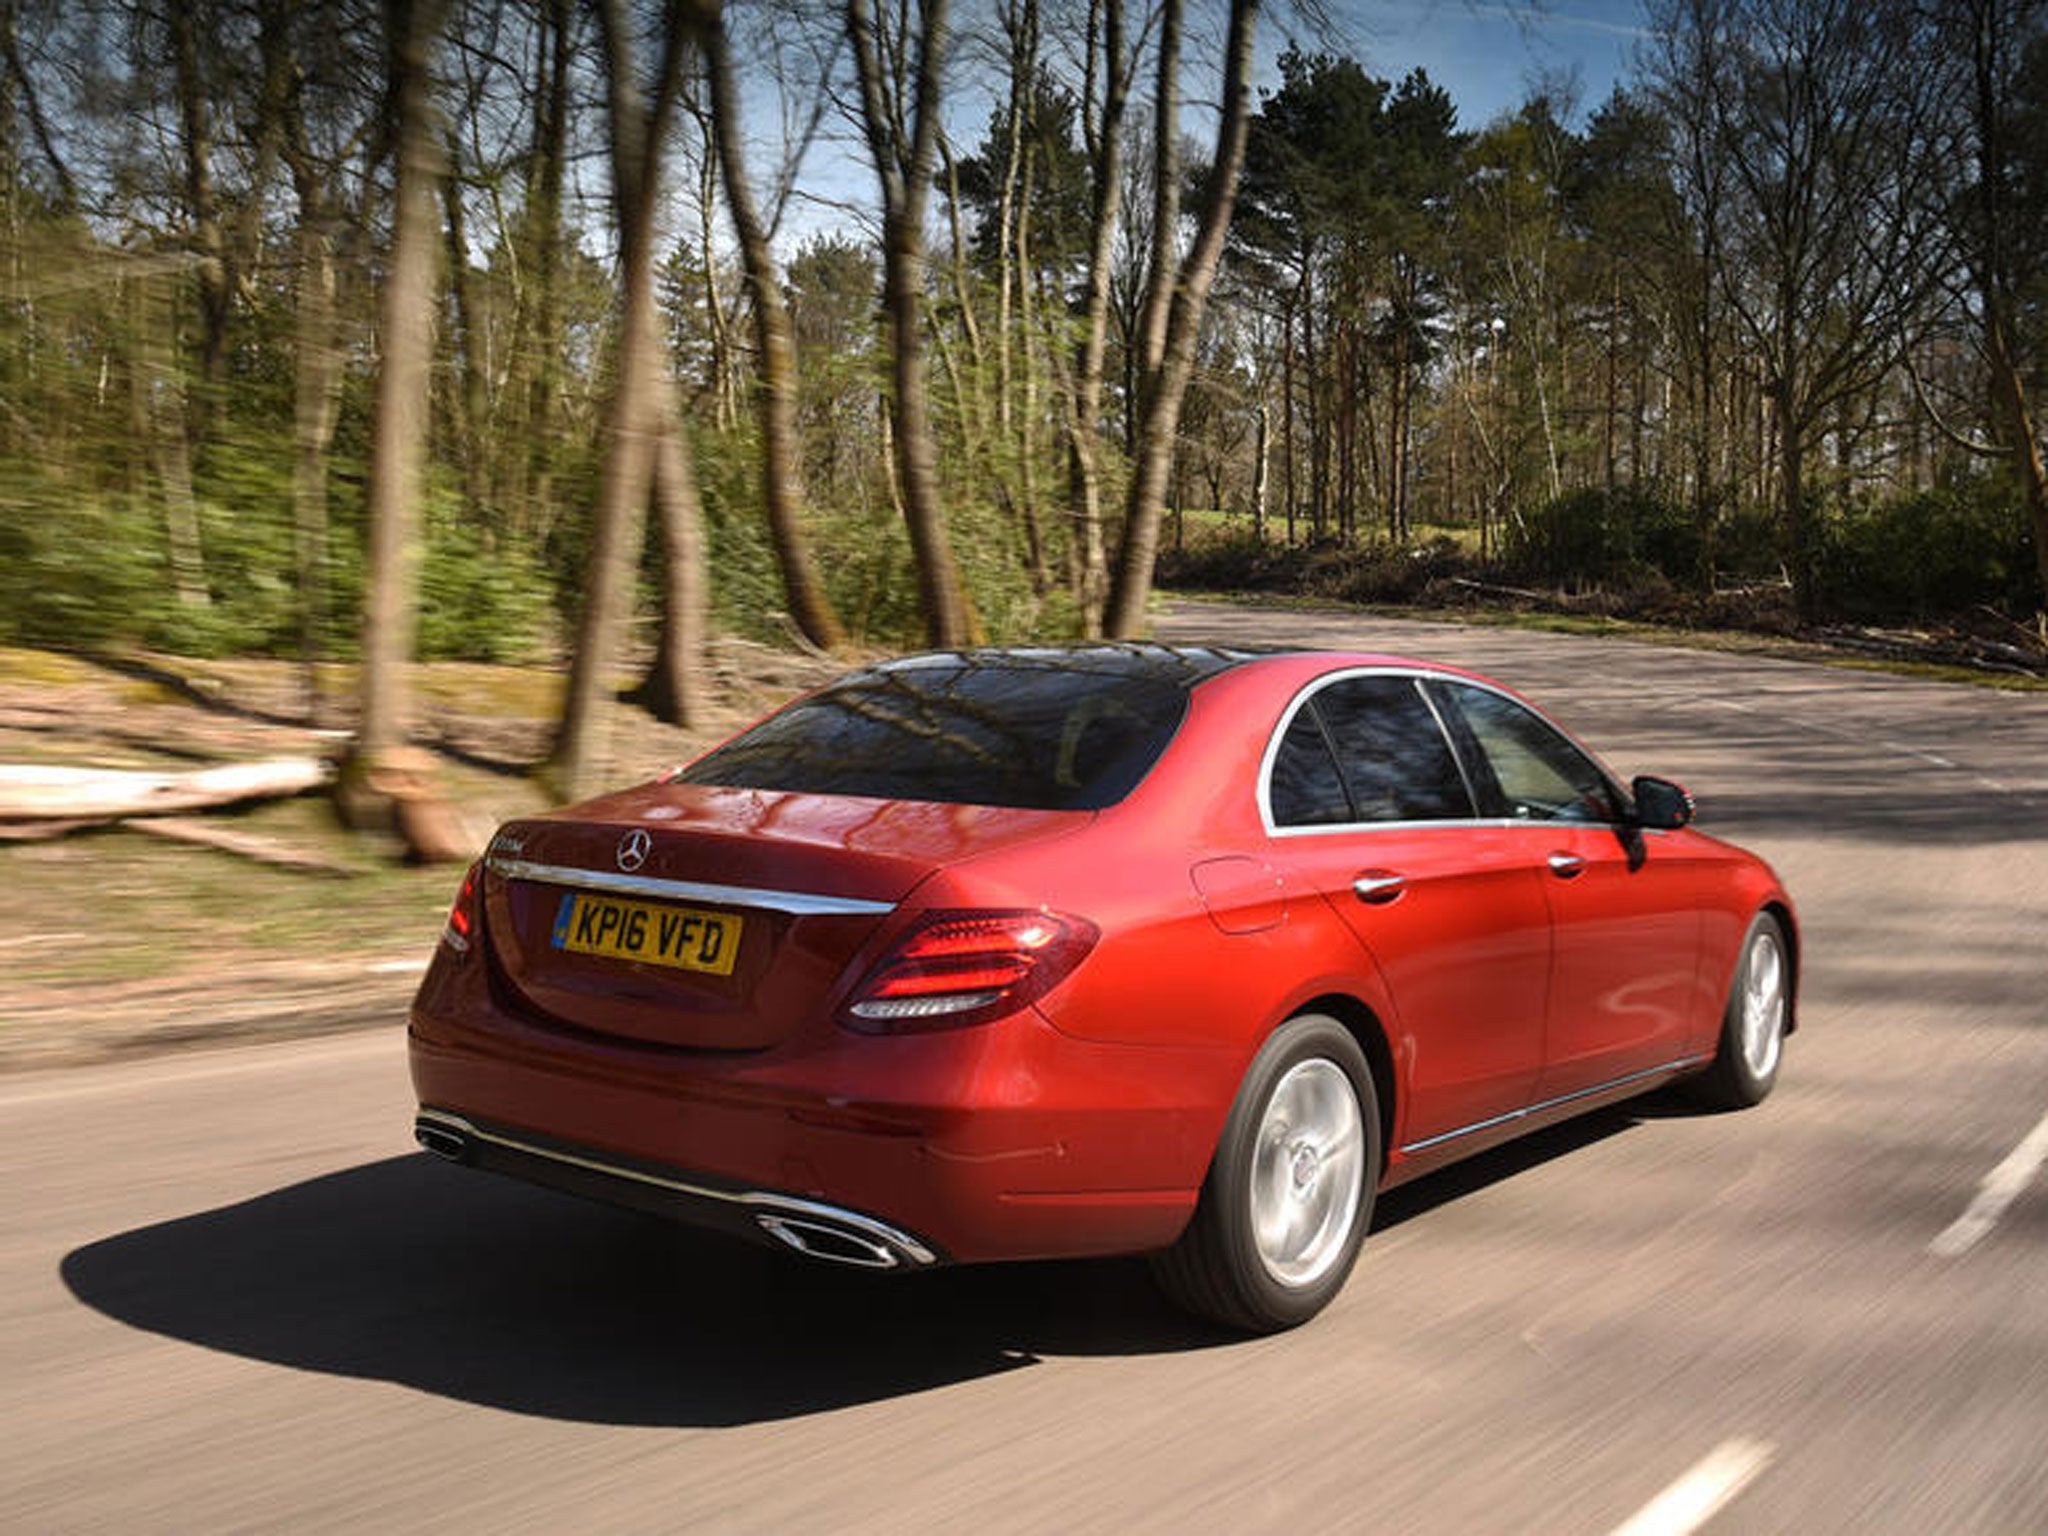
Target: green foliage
1594, 536
1935, 554
746, 590
75, 569
862, 552
480, 602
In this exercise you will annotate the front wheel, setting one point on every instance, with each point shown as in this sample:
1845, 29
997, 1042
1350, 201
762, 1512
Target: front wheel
1290, 1191
1752, 1041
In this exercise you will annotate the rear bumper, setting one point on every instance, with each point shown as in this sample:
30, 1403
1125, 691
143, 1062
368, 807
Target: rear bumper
1007, 1140
811, 1227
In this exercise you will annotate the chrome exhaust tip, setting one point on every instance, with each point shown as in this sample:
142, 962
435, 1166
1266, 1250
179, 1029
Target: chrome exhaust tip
831, 1242
441, 1139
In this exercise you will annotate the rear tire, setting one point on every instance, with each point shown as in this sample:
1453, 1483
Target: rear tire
1752, 1044
1290, 1191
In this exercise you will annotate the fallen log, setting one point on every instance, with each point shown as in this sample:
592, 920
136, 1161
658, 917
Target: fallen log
247, 845
1495, 589
37, 792
47, 831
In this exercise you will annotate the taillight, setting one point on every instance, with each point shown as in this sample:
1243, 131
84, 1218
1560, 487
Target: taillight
462, 916
967, 967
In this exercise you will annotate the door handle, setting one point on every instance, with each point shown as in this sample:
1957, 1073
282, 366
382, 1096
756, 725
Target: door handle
1566, 866
1377, 887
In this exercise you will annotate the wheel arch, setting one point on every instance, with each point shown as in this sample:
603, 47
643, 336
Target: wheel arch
1780, 909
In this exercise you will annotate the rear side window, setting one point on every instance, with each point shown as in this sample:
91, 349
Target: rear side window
1052, 733
1373, 746
1306, 789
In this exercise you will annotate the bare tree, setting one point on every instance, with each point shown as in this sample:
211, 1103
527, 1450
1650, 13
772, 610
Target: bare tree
1177, 291
1105, 94
1990, 36
782, 480
899, 70
1830, 248
641, 408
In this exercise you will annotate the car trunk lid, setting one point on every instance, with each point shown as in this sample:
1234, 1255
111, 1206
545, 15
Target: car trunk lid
714, 918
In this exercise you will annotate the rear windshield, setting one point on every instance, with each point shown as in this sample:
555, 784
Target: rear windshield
1066, 731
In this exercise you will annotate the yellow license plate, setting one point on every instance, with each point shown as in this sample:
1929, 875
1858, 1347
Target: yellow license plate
681, 937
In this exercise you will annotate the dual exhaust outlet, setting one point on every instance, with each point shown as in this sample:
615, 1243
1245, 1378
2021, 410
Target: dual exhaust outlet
812, 1228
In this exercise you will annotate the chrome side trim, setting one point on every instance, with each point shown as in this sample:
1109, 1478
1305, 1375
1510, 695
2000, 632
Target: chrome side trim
1564, 1098
855, 1225
796, 903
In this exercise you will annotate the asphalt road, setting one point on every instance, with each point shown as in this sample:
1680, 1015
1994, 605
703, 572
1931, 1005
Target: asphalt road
232, 1297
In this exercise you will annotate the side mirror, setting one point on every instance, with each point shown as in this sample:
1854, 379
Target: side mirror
1661, 804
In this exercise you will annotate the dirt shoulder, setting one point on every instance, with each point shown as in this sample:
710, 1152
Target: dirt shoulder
114, 941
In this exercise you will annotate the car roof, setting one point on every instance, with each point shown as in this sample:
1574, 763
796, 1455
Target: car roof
1144, 658
1136, 659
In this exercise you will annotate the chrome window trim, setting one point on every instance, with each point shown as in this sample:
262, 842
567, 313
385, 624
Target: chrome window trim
1355, 827
795, 903
1419, 676
1677, 1065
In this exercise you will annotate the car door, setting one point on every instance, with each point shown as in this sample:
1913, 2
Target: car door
1624, 917
1366, 802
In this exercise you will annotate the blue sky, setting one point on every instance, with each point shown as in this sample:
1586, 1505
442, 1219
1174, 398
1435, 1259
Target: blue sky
1488, 55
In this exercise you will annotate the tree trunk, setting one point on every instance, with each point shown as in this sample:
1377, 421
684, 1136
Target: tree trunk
891, 108
1792, 510
1166, 385
316, 393
633, 418
399, 424
1346, 347
1261, 467
469, 398
1287, 450
316, 368
1397, 439
1084, 423
781, 441
543, 349
195, 122
673, 689
161, 415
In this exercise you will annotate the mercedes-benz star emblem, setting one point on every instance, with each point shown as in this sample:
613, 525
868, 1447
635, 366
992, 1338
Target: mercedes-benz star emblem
633, 849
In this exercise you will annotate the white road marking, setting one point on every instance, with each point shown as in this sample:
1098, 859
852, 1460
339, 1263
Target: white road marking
397, 967
1699, 1495
2002, 1185
1814, 727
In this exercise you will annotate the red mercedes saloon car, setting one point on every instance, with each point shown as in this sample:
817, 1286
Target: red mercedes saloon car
1014, 954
